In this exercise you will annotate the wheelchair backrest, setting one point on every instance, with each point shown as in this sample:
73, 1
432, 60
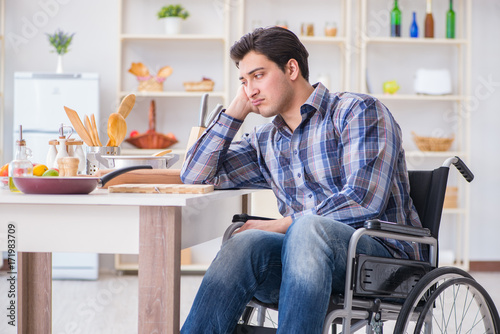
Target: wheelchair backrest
427, 190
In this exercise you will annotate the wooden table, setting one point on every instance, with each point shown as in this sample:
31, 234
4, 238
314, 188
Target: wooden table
155, 226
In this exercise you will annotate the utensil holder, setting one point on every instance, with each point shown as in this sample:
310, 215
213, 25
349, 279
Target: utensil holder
94, 153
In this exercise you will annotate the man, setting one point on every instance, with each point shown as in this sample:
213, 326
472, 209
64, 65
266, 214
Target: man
333, 160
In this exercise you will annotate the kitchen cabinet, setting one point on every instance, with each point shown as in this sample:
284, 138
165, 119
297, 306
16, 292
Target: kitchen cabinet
382, 58
2, 74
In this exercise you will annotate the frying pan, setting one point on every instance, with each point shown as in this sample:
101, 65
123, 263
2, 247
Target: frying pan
67, 185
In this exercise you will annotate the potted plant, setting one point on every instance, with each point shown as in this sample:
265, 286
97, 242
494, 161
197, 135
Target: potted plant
60, 41
173, 14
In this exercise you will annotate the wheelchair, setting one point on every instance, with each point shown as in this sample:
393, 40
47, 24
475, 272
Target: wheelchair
418, 296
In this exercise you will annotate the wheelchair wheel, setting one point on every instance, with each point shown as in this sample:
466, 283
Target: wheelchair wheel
448, 300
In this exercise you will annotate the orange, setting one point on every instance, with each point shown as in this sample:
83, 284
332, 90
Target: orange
38, 170
4, 171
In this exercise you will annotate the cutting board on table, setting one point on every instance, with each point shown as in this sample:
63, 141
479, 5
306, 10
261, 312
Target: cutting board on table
162, 188
144, 176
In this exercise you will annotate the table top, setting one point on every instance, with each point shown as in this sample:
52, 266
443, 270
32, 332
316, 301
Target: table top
103, 197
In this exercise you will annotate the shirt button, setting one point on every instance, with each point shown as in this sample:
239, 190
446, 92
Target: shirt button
299, 175
295, 152
310, 195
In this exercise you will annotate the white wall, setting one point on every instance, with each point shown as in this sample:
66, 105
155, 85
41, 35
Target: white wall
95, 50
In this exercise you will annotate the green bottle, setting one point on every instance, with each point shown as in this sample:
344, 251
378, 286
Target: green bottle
450, 22
396, 20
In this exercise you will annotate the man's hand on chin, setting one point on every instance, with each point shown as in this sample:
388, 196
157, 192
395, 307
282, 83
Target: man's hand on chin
278, 225
241, 106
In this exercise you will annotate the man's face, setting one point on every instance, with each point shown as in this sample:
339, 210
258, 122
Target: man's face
267, 87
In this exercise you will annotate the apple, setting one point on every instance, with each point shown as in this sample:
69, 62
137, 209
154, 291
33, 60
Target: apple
390, 87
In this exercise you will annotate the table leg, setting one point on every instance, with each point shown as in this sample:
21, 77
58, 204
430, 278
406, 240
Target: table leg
34, 293
159, 269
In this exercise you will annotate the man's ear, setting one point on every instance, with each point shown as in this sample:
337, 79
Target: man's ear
293, 69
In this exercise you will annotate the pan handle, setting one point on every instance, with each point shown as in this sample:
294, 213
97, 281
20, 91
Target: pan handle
108, 177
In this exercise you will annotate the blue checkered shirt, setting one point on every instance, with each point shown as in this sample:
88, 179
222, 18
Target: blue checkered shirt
344, 161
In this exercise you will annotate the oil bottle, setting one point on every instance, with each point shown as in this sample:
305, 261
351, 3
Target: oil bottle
21, 165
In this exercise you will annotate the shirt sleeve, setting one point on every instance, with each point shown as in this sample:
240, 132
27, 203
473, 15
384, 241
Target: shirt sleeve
216, 159
369, 144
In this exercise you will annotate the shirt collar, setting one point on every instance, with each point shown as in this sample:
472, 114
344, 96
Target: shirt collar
317, 101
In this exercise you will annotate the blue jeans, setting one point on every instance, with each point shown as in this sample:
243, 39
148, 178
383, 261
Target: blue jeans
300, 269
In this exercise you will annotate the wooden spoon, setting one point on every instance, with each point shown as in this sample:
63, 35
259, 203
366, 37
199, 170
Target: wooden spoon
161, 153
117, 129
88, 127
78, 125
126, 106
94, 128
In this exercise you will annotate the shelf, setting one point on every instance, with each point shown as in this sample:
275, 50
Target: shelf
172, 94
407, 40
445, 154
415, 97
322, 39
159, 37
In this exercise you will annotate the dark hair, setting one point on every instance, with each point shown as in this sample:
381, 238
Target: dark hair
278, 44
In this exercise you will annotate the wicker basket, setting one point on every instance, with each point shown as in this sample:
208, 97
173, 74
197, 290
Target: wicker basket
199, 86
433, 144
150, 85
152, 139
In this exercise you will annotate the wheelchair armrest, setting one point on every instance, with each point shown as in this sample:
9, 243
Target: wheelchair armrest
376, 224
237, 222
243, 217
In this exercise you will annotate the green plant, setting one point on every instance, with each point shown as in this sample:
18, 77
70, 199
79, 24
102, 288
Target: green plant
173, 11
60, 41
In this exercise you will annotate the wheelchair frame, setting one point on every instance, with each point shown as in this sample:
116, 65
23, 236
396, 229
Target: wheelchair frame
357, 312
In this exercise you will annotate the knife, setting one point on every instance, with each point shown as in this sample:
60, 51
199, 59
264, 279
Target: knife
209, 119
203, 109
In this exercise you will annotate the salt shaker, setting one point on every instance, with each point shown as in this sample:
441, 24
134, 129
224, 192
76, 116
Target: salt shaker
61, 152
51, 156
82, 166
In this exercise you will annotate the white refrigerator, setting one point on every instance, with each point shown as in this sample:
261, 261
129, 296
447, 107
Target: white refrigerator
39, 99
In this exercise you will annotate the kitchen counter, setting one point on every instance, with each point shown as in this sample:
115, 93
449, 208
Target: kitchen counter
155, 226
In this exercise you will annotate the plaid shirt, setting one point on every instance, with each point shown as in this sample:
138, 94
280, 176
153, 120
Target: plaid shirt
344, 161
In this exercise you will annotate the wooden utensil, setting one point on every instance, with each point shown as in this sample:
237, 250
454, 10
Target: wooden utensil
117, 129
161, 153
94, 127
88, 127
78, 125
126, 105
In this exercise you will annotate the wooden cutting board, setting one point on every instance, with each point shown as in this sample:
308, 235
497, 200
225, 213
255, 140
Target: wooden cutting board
144, 176
162, 188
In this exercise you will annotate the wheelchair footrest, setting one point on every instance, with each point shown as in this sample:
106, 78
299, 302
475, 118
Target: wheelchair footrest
247, 329
386, 277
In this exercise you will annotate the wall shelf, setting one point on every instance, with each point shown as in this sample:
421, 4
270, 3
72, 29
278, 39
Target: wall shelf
415, 97
394, 54
407, 40
181, 37
220, 94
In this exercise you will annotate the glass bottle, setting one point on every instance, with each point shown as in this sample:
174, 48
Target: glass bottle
450, 22
414, 26
20, 166
396, 20
429, 21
